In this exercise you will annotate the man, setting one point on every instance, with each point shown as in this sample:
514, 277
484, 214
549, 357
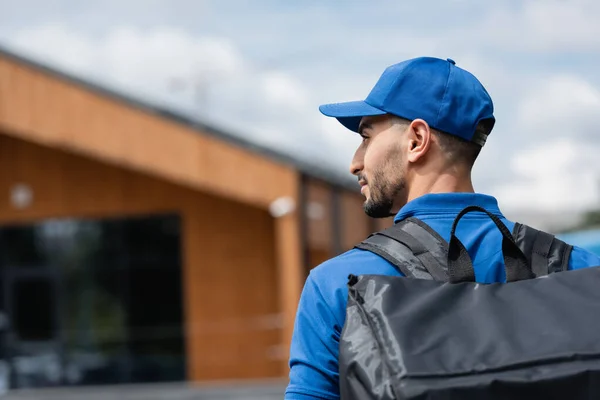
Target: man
423, 126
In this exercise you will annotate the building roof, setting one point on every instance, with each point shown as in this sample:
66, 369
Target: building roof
129, 100
588, 239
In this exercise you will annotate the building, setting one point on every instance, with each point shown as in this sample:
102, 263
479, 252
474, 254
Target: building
140, 246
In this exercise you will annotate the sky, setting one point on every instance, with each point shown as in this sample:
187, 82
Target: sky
260, 69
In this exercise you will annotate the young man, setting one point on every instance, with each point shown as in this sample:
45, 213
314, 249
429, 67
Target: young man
423, 126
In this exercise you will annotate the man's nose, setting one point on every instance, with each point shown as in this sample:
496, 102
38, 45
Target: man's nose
357, 165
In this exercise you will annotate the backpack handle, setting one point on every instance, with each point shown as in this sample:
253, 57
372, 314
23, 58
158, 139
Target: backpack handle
460, 265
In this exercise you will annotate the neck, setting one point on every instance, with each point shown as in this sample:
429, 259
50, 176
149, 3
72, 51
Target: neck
445, 183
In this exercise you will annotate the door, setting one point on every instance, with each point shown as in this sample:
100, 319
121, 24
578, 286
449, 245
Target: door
34, 343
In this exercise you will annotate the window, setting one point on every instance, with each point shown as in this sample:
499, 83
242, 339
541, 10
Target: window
103, 297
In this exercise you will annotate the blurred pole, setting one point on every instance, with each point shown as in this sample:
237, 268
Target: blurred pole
198, 86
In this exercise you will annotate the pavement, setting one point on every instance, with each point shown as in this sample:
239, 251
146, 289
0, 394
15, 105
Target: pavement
261, 390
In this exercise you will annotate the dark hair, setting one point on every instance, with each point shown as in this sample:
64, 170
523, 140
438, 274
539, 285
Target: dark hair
459, 150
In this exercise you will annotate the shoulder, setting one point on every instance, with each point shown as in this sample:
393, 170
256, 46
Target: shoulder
320, 318
582, 258
334, 272
328, 281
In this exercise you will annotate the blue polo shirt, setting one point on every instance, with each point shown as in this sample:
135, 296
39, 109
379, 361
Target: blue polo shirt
322, 307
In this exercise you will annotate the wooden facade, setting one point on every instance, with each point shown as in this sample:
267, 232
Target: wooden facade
86, 154
217, 266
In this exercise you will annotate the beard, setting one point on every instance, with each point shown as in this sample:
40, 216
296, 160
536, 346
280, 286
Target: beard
382, 195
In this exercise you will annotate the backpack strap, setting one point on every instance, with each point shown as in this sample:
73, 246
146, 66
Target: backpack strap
545, 253
436, 247
412, 247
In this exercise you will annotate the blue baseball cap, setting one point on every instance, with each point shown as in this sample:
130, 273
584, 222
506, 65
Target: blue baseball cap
447, 97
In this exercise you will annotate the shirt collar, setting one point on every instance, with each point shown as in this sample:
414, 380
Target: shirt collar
446, 204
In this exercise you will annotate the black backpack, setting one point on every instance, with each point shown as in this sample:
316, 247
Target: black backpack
441, 335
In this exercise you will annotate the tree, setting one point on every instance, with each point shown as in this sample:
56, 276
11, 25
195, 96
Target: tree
590, 220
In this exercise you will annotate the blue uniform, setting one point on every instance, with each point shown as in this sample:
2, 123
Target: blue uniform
321, 311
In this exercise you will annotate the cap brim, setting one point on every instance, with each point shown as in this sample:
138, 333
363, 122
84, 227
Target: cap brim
350, 113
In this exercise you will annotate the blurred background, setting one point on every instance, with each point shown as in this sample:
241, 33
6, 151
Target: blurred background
167, 182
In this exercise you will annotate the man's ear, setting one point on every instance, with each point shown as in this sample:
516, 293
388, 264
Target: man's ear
419, 140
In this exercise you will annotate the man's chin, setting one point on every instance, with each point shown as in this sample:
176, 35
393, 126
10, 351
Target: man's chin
375, 210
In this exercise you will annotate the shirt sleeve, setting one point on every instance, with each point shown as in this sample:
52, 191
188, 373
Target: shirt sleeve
581, 258
314, 348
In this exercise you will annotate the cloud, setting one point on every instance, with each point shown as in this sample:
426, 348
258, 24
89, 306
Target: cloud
553, 162
130, 57
561, 106
281, 89
540, 26
558, 176
264, 72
